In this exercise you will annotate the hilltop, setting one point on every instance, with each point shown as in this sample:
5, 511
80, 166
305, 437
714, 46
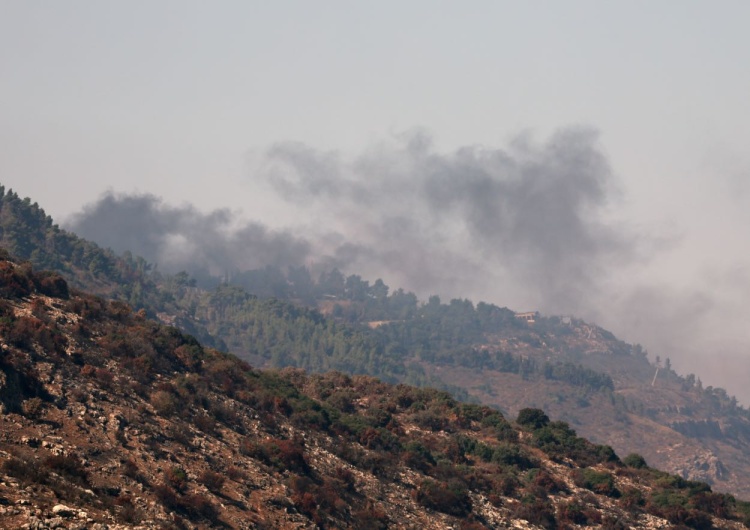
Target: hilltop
576, 371
111, 420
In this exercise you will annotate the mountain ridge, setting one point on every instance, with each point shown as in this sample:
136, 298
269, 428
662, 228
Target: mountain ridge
111, 420
577, 371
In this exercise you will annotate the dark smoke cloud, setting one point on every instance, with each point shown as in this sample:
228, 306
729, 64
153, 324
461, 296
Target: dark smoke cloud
523, 225
529, 217
183, 238
527, 226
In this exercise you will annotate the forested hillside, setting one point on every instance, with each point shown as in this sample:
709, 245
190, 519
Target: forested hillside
480, 352
109, 418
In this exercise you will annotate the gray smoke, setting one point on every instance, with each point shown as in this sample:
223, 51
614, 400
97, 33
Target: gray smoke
701, 328
528, 226
183, 238
523, 225
528, 219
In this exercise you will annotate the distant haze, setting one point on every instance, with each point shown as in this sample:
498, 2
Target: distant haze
525, 222
578, 157
531, 225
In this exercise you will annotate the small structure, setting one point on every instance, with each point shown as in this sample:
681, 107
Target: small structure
530, 316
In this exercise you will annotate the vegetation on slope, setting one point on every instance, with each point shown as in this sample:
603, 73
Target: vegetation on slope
276, 332
143, 425
579, 372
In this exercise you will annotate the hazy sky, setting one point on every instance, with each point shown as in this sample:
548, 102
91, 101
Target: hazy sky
580, 157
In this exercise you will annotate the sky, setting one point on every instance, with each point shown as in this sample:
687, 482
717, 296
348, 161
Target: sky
583, 157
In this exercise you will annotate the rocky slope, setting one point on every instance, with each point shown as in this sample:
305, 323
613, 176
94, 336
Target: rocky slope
698, 433
110, 420
576, 371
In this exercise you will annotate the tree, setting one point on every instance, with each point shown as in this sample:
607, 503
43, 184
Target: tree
331, 283
635, 460
533, 418
356, 288
379, 290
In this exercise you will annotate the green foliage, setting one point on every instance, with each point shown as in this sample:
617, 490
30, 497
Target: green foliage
743, 511
512, 455
578, 375
532, 418
307, 413
430, 419
635, 460
601, 482
458, 449
504, 432
176, 477
503, 454
283, 334
558, 440
417, 456
475, 412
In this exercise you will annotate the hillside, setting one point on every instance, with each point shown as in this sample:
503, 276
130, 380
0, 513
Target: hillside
576, 371
700, 433
28, 233
109, 418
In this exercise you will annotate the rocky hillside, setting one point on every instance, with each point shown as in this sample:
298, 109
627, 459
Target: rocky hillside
677, 424
576, 371
110, 420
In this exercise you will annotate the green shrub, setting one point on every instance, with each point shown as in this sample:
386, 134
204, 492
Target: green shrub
176, 478
532, 418
635, 460
558, 440
430, 419
512, 455
600, 482
417, 456
481, 413
380, 438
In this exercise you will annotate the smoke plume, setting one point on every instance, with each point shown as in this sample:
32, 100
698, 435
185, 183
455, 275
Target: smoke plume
525, 224
527, 220
528, 226
183, 238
